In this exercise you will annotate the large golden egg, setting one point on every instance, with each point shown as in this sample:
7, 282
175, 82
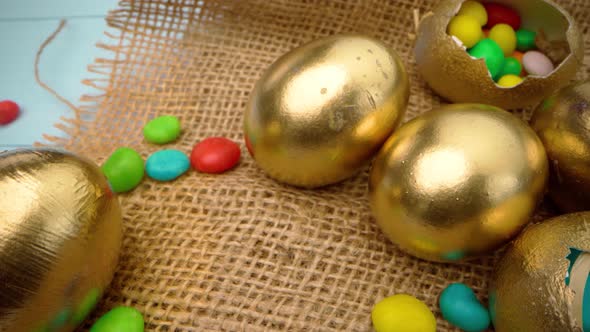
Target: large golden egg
457, 181
453, 74
541, 283
60, 234
563, 124
320, 112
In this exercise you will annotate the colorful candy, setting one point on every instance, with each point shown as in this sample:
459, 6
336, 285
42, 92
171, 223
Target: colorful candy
537, 63
505, 37
498, 13
161, 130
118, 320
215, 155
499, 28
460, 307
525, 40
167, 165
9, 111
474, 9
86, 306
509, 81
511, 66
402, 313
491, 52
124, 169
466, 29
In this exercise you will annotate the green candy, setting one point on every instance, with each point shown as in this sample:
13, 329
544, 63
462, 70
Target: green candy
124, 169
119, 319
161, 130
491, 52
86, 306
460, 307
525, 40
511, 67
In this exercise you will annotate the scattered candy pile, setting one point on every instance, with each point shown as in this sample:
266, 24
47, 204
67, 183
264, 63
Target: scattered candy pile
460, 307
493, 32
9, 111
125, 168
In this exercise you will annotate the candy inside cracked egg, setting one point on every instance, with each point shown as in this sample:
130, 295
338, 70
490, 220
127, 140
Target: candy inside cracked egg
505, 53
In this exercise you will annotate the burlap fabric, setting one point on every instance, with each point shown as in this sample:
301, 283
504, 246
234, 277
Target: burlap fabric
238, 251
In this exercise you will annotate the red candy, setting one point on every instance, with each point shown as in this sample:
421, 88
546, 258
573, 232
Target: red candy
215, 155
498, 13
9, 111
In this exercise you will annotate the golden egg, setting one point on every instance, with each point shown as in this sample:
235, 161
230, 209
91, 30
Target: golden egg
60, 235
541, 283
321, 111
453, 74
457, 181
562, 122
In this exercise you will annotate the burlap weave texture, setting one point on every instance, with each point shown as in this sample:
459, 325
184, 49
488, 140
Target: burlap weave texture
238, 251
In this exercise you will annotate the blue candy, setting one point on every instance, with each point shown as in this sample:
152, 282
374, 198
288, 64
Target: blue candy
167, 165
460, 307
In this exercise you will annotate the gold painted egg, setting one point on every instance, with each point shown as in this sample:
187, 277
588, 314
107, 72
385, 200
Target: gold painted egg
541, 283
458, 181
321, 111
562, 122
60, 235
453, 74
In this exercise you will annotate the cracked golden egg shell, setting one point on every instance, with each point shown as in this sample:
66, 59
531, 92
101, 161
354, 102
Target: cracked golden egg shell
457, 181
453, 74
321, 111
562, 122
60, 234
541, 283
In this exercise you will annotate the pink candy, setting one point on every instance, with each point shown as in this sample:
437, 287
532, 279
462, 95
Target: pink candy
537, 63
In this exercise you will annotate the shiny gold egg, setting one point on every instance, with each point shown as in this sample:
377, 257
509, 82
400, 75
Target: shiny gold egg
562, 122
453, 74
457, 181
60, 235
541, 283
321, 111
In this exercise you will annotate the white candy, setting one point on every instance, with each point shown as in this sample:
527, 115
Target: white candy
537, 63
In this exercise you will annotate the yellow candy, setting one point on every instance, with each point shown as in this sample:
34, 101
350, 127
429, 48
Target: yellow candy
474, 9
504, 35
402, 313
466, 29
508, 81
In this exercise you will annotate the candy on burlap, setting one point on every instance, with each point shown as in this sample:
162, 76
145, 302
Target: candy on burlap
240, 252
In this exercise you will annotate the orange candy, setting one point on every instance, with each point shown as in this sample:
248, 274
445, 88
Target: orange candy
518, 56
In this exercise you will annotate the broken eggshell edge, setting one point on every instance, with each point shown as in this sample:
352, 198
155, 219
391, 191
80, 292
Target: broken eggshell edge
453, 74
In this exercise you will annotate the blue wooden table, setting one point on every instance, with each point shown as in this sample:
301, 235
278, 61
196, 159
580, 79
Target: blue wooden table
24, 25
